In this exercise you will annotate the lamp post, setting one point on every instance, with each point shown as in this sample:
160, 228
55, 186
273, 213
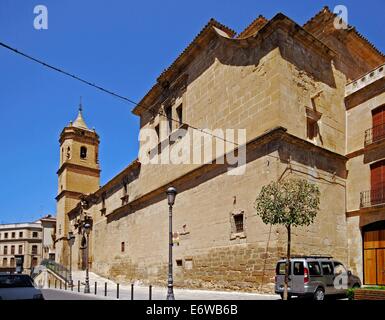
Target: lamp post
171, 194
87, 229
71, 241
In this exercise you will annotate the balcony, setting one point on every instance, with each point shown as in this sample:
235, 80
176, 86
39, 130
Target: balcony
373, 197
375, 134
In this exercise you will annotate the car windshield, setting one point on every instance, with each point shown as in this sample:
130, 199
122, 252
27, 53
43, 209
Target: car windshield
15, 281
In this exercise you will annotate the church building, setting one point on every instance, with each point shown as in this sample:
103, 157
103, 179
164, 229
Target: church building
311, 100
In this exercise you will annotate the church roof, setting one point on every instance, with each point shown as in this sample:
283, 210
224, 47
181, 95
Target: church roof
253, 27
326, 14
175, 68
79, 122
260, 27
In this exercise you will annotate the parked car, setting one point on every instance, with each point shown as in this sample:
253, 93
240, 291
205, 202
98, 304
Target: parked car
18, 287
314, 276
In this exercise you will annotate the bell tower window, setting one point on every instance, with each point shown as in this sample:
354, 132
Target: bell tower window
68, 153
83, 152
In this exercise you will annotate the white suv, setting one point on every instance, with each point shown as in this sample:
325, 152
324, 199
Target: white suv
314, 276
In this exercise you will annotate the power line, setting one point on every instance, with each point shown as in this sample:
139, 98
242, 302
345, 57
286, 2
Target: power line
108, 91
116, 95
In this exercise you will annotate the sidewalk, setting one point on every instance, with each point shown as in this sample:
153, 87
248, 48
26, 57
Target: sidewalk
158, 293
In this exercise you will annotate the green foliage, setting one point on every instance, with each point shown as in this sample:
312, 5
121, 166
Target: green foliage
292, 202
350, 293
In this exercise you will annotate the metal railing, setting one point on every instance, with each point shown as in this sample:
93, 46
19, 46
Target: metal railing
113, 291
373, 197
57, 268
375, 134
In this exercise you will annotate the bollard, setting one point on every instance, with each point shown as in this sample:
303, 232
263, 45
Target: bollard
55, 283
105, 289
132, 291
49, 283
96, 286
78, 285
65, 285
117, 291
72, 285
150, 292
60, 284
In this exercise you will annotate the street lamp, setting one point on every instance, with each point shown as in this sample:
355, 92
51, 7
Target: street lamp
71, 241
87, 230
171, 194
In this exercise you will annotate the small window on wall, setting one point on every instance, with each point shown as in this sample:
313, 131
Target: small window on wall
168, 112
157, 130
312, 128
103, 200
124, 198
238, 221
20, 234
83, 152
312, 123
34, 234
13, 235
122, 247
103, 210
179, 112
179, 262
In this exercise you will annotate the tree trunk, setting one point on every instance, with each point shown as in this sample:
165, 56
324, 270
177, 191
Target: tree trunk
285, 293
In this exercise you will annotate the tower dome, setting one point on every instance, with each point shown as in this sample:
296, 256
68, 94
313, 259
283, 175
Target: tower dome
79, 122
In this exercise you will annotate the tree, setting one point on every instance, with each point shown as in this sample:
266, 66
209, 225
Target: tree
292, 203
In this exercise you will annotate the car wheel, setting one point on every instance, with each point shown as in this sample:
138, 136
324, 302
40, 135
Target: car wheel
356, 286
319, 294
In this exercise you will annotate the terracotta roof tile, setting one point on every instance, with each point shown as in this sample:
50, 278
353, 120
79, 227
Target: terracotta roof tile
212, 23
326, 11
253, 27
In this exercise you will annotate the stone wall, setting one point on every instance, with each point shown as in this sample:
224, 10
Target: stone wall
255, 88
208, 255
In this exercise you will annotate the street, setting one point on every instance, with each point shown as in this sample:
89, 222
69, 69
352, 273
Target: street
53, 294
141, 292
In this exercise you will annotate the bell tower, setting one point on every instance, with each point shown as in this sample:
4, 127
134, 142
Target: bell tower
78, 174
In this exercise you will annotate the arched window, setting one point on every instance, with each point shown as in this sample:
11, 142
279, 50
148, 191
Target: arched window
68, 153
83, 152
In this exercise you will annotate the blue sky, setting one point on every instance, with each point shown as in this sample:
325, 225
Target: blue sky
122, 45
